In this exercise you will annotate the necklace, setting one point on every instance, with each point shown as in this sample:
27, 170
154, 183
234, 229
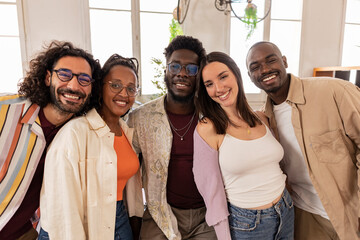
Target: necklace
188, 125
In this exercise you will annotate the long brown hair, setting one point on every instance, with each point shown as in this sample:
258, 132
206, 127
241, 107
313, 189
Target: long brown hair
208, 108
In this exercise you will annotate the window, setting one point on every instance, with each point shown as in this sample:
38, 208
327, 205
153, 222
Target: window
148, 31
351, 44
110, 29
10, 57
284, 29
239, 45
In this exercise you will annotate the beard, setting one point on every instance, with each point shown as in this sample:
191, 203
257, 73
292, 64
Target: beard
68, 107
180, 99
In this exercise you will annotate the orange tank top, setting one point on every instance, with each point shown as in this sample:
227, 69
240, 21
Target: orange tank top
127, 163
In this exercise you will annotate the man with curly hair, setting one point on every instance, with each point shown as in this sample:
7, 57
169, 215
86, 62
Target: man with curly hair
62, 81
163, 133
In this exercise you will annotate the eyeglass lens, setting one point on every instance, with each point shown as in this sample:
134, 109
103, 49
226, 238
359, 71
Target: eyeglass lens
117, 87
66, 75
190, 69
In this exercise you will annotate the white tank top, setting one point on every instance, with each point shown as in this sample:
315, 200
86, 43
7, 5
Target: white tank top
251, 170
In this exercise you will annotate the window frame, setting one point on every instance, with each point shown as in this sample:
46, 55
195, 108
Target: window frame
257, 99
136, 33
21, 34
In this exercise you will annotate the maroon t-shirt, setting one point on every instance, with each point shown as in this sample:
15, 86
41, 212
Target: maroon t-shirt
181, 189
20, 222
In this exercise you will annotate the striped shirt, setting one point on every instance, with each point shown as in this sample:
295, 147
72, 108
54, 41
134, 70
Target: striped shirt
21, 145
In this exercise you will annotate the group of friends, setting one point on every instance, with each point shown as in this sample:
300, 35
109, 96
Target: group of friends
210, 166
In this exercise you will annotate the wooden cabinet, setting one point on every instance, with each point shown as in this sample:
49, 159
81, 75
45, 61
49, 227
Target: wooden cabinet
338, 72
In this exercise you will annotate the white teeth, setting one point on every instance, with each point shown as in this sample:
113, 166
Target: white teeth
121, 103
71, 96
225, 95
180, 85
269, 78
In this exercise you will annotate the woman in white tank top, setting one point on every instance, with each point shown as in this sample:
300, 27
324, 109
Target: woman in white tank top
236, 159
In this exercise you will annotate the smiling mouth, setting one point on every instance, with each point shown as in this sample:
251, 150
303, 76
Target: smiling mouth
70, 96
222, 97
269, 78
181, 84
120, 103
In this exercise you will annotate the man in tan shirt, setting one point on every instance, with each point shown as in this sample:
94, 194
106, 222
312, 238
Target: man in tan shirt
317, 121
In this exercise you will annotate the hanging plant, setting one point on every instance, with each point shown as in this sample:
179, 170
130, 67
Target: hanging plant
250, 18
175, 29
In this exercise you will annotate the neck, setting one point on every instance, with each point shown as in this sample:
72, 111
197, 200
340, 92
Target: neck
280, 95
55, 116
232, 112
111, 120
178, 107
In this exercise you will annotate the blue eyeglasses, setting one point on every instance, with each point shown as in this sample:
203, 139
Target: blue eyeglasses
66, 75
190, 69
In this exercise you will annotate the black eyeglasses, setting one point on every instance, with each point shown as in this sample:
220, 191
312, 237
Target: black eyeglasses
117, 87
66, 75
190, 69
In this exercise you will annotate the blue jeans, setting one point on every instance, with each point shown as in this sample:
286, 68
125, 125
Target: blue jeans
276, 222
122, 225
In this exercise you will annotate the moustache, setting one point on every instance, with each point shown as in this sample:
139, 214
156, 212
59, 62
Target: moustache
66, 90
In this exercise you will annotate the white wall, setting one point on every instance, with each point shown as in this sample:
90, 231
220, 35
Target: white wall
47, 20
211, 26
322, 34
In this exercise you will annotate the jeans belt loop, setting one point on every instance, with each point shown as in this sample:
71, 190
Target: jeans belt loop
285, 200
258, 216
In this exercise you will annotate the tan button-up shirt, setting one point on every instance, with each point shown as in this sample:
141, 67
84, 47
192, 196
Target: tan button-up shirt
326, 121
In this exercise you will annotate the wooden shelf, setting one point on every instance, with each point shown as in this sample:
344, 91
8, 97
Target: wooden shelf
338, 72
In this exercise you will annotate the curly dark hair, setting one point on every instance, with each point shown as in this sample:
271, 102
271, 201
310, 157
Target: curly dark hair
185, 42
212, 110
33, 86
115, 60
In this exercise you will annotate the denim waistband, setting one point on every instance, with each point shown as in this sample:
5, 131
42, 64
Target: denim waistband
284, 202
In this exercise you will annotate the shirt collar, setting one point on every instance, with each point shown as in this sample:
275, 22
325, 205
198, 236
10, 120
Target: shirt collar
100, 127
296, 91
295, 94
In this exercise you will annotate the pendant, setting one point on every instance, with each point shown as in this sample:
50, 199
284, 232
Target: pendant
181, 138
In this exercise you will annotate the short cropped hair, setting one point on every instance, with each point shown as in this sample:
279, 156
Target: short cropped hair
185, 42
